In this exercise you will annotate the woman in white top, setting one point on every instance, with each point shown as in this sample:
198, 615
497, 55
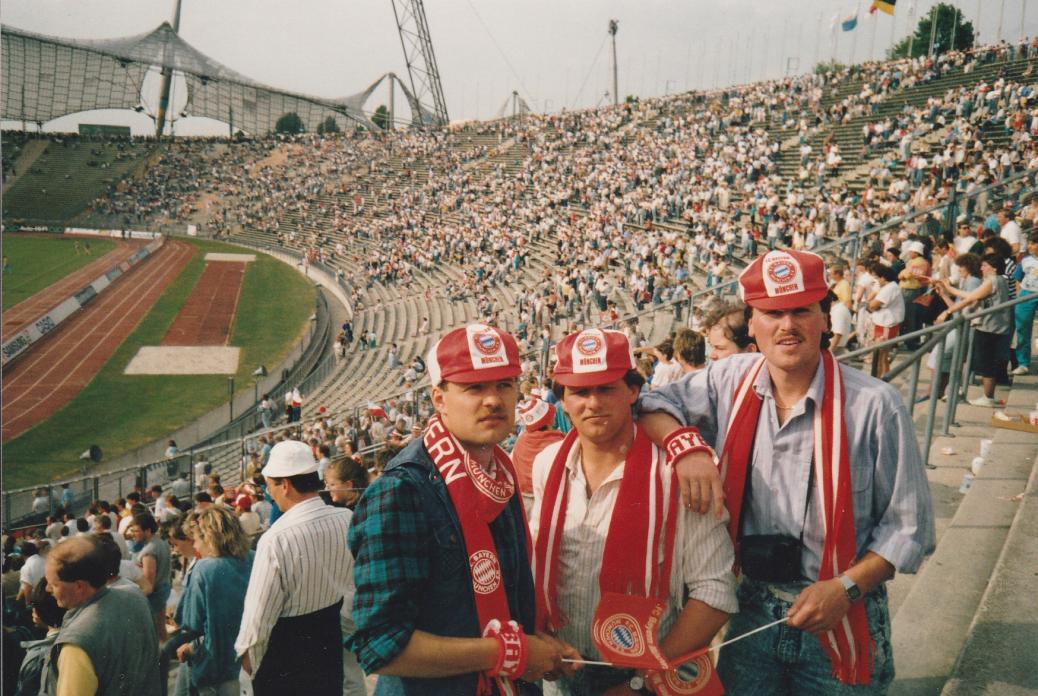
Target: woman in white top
888, 311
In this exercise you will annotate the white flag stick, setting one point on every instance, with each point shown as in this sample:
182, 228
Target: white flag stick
689, 656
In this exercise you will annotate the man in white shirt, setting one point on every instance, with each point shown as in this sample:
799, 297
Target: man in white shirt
667, 369
290, 639
32, 571
1010, 229
612, 489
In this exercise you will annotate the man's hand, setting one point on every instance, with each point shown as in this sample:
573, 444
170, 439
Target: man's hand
543, 655
699, 481
184, 652
565, 651
820, 606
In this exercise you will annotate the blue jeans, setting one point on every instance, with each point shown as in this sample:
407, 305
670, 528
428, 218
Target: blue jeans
785, 660
1024, 314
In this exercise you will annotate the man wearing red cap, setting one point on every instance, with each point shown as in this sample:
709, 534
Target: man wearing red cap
538, 419
821, 472
445, 599
618, 562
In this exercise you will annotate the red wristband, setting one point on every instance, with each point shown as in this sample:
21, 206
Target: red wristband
685, 441
512, 649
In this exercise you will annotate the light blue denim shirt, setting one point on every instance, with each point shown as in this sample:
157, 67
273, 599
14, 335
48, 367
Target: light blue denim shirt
893, 510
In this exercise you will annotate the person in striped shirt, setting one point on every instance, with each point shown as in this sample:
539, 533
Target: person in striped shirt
596, 495
290, 639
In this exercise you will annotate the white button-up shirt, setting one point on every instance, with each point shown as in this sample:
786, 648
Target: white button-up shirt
703, 554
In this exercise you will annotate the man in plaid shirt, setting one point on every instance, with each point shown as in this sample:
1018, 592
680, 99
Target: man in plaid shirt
445, 596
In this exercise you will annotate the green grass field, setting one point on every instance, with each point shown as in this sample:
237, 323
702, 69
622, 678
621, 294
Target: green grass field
37, 261
122, 412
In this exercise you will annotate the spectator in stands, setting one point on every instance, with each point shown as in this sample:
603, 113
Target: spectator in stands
67, 497
726, 331
180, 487
689, 350
1024, 313
154, 560
103, 525
46, 616
41, 501
989, 345
291, 637
106, 643
537, 418
212, 601
53, 530
345, 479
35, 555
888, 311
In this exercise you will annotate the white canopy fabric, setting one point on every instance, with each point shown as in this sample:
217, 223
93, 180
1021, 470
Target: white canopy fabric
46, 77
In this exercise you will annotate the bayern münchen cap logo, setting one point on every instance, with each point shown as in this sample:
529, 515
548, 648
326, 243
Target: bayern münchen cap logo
589, 344
782, 270
487, 342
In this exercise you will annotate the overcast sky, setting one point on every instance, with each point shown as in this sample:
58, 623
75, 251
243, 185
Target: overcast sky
554, 52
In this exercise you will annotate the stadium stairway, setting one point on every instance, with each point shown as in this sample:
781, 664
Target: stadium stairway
967, 623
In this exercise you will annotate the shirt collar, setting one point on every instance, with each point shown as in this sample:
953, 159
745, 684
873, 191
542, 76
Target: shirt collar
574, 471
815, 392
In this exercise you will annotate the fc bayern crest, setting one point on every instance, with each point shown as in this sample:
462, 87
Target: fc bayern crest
694, 677
589, 344
487, 342
782, 270
486, 571
622, 634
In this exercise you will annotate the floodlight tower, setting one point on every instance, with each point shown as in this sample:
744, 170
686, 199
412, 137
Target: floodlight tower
421, 63
613, 26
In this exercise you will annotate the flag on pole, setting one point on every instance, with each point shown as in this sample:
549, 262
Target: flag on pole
849, 22
883, 5
376, 411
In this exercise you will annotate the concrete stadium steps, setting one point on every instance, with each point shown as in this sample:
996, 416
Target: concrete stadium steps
66, 176
967, 623
849, 135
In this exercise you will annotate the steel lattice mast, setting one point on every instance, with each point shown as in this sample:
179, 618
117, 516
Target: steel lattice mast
421, 63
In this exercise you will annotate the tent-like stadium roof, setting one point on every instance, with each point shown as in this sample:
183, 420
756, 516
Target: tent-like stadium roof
46, 77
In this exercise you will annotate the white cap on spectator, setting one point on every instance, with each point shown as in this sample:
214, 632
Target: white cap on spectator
290, 458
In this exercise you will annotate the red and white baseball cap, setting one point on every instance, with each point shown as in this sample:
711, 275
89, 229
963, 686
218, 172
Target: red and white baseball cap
535, 414
592, 357
784, 279
474, 353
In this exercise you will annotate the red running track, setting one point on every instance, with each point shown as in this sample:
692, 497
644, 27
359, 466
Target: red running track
63, 363
32, 308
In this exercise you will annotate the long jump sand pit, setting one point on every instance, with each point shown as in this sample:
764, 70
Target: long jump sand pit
184, 360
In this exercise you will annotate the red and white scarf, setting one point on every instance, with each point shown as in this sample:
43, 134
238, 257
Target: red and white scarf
637, 555
849, 645
478, 498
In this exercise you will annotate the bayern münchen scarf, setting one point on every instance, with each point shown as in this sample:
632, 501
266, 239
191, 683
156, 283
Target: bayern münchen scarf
849, 646
478, 499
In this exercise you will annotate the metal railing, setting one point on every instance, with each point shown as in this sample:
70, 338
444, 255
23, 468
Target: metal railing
312, 367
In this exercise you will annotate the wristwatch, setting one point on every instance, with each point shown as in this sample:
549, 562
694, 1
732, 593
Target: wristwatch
637, 685
851, 588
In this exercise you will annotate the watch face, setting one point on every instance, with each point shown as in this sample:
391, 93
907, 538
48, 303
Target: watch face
636, 683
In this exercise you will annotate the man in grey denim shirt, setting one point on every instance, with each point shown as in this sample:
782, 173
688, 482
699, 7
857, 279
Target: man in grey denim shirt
788, 303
